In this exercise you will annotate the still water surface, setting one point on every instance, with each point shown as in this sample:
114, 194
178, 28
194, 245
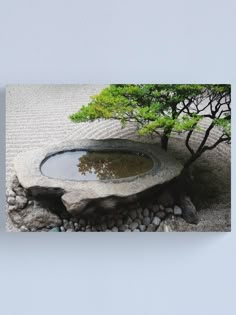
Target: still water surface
95, 165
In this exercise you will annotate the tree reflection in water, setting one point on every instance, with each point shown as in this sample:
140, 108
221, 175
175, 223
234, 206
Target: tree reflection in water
110, 165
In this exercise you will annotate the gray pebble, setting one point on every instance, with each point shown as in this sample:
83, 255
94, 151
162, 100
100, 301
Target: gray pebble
142, 228
11, 201
110, 223
139, 221
156, 221
66, 224
123, 228
161, 214
62, 228
55, 229
23, 228
127, 220
139, 211
12, 208
146, 212
169, 210
71, 225
115, 229
103, 227
133, 214
21, 201
161, 207
11, 193
151, 228
133, 225
177, 210
136, 230
119, 222
146, 221
69, 230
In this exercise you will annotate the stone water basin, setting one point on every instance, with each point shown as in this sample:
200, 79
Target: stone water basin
93, 175
96, 165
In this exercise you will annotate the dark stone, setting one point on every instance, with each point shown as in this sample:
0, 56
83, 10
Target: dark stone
189, 211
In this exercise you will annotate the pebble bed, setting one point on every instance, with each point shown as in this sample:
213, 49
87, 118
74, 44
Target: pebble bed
136, 218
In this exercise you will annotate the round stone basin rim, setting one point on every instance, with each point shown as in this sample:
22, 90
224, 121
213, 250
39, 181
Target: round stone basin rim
27, 166
87, 164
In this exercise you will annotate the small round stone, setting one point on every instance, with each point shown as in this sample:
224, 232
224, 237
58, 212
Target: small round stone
55, 229
11, 201
136, 230
133, 226
161, 207
161, 214
123, 228
71, 225
115, 229
133, 214
110, 223
11, 193
151, 228
103, 227
66, 224
127, 220
62, 228
146, 212
21, 201
139, 221
177, 210
11, 208
69, 230
146, 221
156, 221
23, 228
169, 210
142, 228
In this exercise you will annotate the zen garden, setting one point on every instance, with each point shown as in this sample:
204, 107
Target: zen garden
139, 158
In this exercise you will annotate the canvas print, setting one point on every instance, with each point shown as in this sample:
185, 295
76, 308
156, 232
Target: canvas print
118, 158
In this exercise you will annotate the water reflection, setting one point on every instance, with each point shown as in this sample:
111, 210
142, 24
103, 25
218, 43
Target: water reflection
95, 165
110, 165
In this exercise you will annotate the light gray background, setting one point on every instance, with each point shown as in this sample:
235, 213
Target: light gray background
72, 41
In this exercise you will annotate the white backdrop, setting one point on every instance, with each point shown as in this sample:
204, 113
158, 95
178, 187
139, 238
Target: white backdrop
106, 41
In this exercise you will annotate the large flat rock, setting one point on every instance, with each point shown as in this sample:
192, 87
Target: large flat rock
78, 195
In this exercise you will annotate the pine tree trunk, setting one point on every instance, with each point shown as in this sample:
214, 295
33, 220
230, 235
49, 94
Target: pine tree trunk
165, 138
192, 159
164, 142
